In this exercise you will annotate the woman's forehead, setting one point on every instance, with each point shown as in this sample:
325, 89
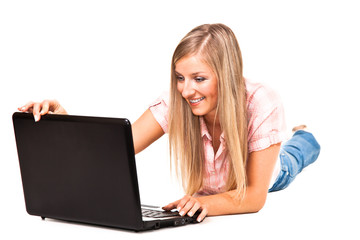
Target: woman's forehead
192, 63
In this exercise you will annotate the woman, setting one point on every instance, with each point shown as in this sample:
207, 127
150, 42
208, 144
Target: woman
225, 132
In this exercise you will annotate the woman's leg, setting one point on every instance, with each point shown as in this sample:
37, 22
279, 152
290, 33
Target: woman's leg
296, 154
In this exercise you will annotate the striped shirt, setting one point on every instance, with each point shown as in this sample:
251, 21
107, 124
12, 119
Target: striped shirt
266, 126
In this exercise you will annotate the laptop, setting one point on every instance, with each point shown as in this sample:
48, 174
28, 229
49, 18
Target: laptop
82, 169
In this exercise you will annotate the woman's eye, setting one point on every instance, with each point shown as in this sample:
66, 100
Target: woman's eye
180, 78
199, 79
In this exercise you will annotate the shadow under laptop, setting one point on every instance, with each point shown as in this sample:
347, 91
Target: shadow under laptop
97, 226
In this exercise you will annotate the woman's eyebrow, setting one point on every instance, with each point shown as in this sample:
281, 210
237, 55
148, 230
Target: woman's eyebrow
196, 73
193, 74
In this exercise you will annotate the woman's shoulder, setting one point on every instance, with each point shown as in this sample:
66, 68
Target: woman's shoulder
266, 120
163, 99
260, 95
160, 110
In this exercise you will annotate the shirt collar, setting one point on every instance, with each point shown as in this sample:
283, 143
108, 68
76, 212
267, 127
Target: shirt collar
205, 131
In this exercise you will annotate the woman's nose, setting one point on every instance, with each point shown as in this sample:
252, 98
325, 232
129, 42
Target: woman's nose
188, 89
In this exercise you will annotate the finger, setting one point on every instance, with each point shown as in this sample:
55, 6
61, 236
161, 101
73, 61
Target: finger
171, 206
45, 107
26, 107
189, 205
202, 215
36, 112
194, 208
182, 202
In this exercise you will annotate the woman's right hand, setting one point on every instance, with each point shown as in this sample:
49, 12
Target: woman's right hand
38, 109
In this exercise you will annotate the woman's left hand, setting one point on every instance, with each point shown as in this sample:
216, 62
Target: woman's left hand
189, 205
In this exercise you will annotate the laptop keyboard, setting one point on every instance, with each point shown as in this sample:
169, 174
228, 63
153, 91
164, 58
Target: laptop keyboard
158, 214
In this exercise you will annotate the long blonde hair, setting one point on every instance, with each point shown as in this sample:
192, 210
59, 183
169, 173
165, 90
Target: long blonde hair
218, 47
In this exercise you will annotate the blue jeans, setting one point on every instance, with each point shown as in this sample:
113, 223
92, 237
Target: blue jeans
297, 153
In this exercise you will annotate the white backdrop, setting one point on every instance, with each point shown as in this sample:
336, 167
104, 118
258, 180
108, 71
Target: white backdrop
112, 58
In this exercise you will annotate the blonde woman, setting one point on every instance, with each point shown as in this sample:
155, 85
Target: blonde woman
225, 132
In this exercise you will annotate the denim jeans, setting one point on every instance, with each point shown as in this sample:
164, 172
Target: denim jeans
295, 154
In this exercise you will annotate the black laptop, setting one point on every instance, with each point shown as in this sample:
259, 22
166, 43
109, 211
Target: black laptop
82, 169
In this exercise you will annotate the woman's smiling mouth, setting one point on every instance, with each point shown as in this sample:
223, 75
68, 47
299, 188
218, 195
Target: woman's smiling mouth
195, 101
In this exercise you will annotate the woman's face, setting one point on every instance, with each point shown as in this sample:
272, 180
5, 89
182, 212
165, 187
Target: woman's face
197, 84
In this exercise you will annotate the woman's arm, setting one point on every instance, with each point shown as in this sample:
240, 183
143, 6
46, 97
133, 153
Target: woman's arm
259, 171
145, 130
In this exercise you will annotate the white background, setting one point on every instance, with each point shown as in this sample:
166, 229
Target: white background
112, 58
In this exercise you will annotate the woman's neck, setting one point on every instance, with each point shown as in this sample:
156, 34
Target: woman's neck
214, 128
213, 125
211, 122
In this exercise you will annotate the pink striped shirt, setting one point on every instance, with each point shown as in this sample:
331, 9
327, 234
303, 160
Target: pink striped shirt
266, 126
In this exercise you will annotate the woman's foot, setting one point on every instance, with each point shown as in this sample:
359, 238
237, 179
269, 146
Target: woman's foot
300, 127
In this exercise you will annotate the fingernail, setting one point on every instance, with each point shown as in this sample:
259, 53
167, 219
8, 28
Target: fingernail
199, 219
190, 214
36, 118
181, 213
22, 109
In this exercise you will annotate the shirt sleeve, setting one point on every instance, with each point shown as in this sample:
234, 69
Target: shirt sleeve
160, 110
266, 121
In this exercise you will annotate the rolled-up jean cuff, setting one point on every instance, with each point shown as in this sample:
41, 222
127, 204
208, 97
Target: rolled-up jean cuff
297, 153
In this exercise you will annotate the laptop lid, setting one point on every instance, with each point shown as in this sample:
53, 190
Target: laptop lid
79, 169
